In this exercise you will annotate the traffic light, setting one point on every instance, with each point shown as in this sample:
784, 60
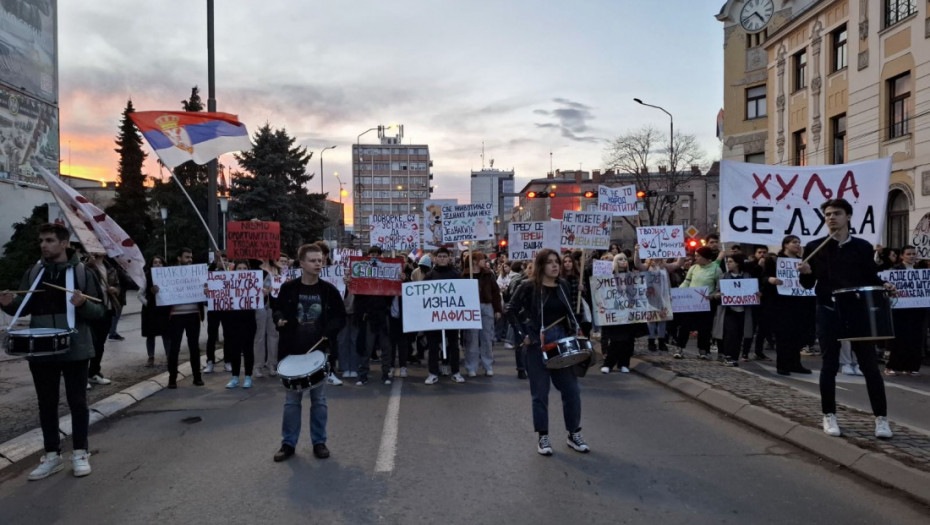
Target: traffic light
693, 244
540, 195
502, 243
589, 194
640, 194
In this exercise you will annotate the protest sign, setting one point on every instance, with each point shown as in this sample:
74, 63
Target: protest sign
786, 270
277, 280
631, 297
336, 276
739, 292
585, 230
432, 222
341, 255
441, 305
617, 201
375, 275
690, 299
179, 284
913, 287
661, 242
253, 240
526, 239
762, 204
601, 268
395, 232
467, 222
921, 238
236, 290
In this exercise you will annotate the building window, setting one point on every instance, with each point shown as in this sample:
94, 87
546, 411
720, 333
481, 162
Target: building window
897, 10
800, 70
897, 228
755, 158
755, 102
800, 148
839, 49
899, 89
838, 124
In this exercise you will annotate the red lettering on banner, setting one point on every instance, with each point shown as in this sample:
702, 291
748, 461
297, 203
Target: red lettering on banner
760, 186
785, 189
848, 184
824, 191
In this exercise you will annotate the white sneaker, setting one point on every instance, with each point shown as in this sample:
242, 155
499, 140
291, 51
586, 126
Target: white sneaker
882, 430
49, 464
228, 367
624, 370
856, 370
605, 370
432, 379
89, 385
508, 346
472, 374
257, 372
403, 372
80, 463
333, 380
209, 368
830, 426
100, 380
489, 373
273, 371
457, 378
847, 370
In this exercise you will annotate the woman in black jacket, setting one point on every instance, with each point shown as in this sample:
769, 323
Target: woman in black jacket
544, 313
154, 317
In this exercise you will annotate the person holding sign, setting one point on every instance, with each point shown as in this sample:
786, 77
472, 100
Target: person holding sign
544, 310
704, 272
833, 263
238, 336
184, 319
733, 323
618, 341
792, 313
307, 310
910, 327
442, 270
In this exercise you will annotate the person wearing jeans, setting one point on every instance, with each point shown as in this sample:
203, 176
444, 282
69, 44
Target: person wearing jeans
478, 349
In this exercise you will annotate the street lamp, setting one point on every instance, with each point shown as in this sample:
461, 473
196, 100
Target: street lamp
164, 228
358, 173
342, 192
321, 167
671, 132
224, 207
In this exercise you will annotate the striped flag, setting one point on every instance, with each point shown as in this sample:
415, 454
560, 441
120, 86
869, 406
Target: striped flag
180, 136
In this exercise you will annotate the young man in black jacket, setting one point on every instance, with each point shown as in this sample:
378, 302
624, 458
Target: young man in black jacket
844, 262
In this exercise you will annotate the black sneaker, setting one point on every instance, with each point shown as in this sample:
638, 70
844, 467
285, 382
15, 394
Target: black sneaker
116, 337
320, 450
198, 381
285, 452
577, 442
521, 374
544, 447
172, 385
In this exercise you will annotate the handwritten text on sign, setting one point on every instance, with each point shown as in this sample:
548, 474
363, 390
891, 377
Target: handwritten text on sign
432, 221
179, 284
253, 240
526, 239
661, 242
441, 305
395, 232
336, 276
467, 222
913, 287
762, 204
626, 298
237, 290
690, 299
375, 275
921, 238
617, 201
786, 270
602, 268
739, 292
586, 230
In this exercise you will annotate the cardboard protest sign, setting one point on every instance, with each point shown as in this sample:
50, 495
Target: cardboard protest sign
913, 287
786, 270
375, 275
336, 276
277, 280
236, 290
617, 201
739, 292
661, 242
586, 230
432, 222
601, 268
690, 299
395, 232
762, 204
526, 239
467, 222
341, 255
253, 240
441, 305
179, 284
631, 297
921, 237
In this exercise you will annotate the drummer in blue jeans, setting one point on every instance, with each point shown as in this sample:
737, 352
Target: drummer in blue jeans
842, 261
307, 310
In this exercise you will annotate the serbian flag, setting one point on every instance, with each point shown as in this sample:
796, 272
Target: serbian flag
112, 237
180, 136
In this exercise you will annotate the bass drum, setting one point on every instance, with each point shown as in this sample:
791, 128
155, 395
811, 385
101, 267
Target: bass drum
566, 352
865, 313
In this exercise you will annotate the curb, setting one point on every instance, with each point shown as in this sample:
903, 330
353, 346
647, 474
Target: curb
873, 466
30, 443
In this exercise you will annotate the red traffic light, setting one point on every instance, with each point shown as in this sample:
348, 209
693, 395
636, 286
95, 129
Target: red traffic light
589, 194
693, 244
640, 194
551, 194
502, 243
531, 195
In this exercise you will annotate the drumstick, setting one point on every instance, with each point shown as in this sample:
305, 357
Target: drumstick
317, 344
824, 243
557, 321
21, 291
63, 289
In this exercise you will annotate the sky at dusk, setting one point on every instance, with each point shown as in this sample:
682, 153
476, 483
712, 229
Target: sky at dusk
525, 77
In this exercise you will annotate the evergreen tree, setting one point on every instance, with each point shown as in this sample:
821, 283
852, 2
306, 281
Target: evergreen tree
130, 207
22, 250
272, 189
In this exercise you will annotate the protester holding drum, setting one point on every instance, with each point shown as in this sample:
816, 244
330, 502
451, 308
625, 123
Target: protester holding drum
65, 316
308, 312
840, 263
544, 311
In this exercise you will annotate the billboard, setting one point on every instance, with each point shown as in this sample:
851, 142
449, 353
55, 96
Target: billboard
28, 135
29, 48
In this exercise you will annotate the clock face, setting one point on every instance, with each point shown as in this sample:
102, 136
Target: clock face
756, 14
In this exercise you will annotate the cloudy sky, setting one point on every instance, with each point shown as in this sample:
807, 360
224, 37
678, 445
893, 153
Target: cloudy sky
525, 77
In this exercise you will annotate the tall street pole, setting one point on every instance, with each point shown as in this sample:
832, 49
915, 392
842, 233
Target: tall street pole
321, 167
212, 219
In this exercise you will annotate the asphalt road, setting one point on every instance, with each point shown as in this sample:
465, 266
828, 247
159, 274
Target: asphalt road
463, 454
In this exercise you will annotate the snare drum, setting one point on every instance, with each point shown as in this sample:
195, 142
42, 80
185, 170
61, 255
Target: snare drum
304, 372
565, 352
865, 313
37, 342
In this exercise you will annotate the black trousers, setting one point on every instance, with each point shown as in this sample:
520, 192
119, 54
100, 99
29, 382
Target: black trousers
619, 352
702, 322
828, 324
239, 341
214, 320
733, 330
434, 340
178, 325
47, 379
99, 331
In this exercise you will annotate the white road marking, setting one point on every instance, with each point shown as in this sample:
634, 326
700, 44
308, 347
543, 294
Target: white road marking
388, 448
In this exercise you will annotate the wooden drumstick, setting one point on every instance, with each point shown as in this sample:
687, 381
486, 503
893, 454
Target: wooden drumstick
824, 243
318, 343
557, 321
63, 289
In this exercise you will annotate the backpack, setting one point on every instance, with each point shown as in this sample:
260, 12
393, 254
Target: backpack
80, 275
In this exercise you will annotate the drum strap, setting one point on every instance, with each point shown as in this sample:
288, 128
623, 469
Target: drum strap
69, 308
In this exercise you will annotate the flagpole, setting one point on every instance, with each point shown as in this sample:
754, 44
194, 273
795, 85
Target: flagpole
199, 216
212, 215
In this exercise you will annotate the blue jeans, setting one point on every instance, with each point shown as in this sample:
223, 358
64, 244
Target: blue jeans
564, 380
290, 426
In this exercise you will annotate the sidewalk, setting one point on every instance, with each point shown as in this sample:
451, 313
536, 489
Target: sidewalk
902, 462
